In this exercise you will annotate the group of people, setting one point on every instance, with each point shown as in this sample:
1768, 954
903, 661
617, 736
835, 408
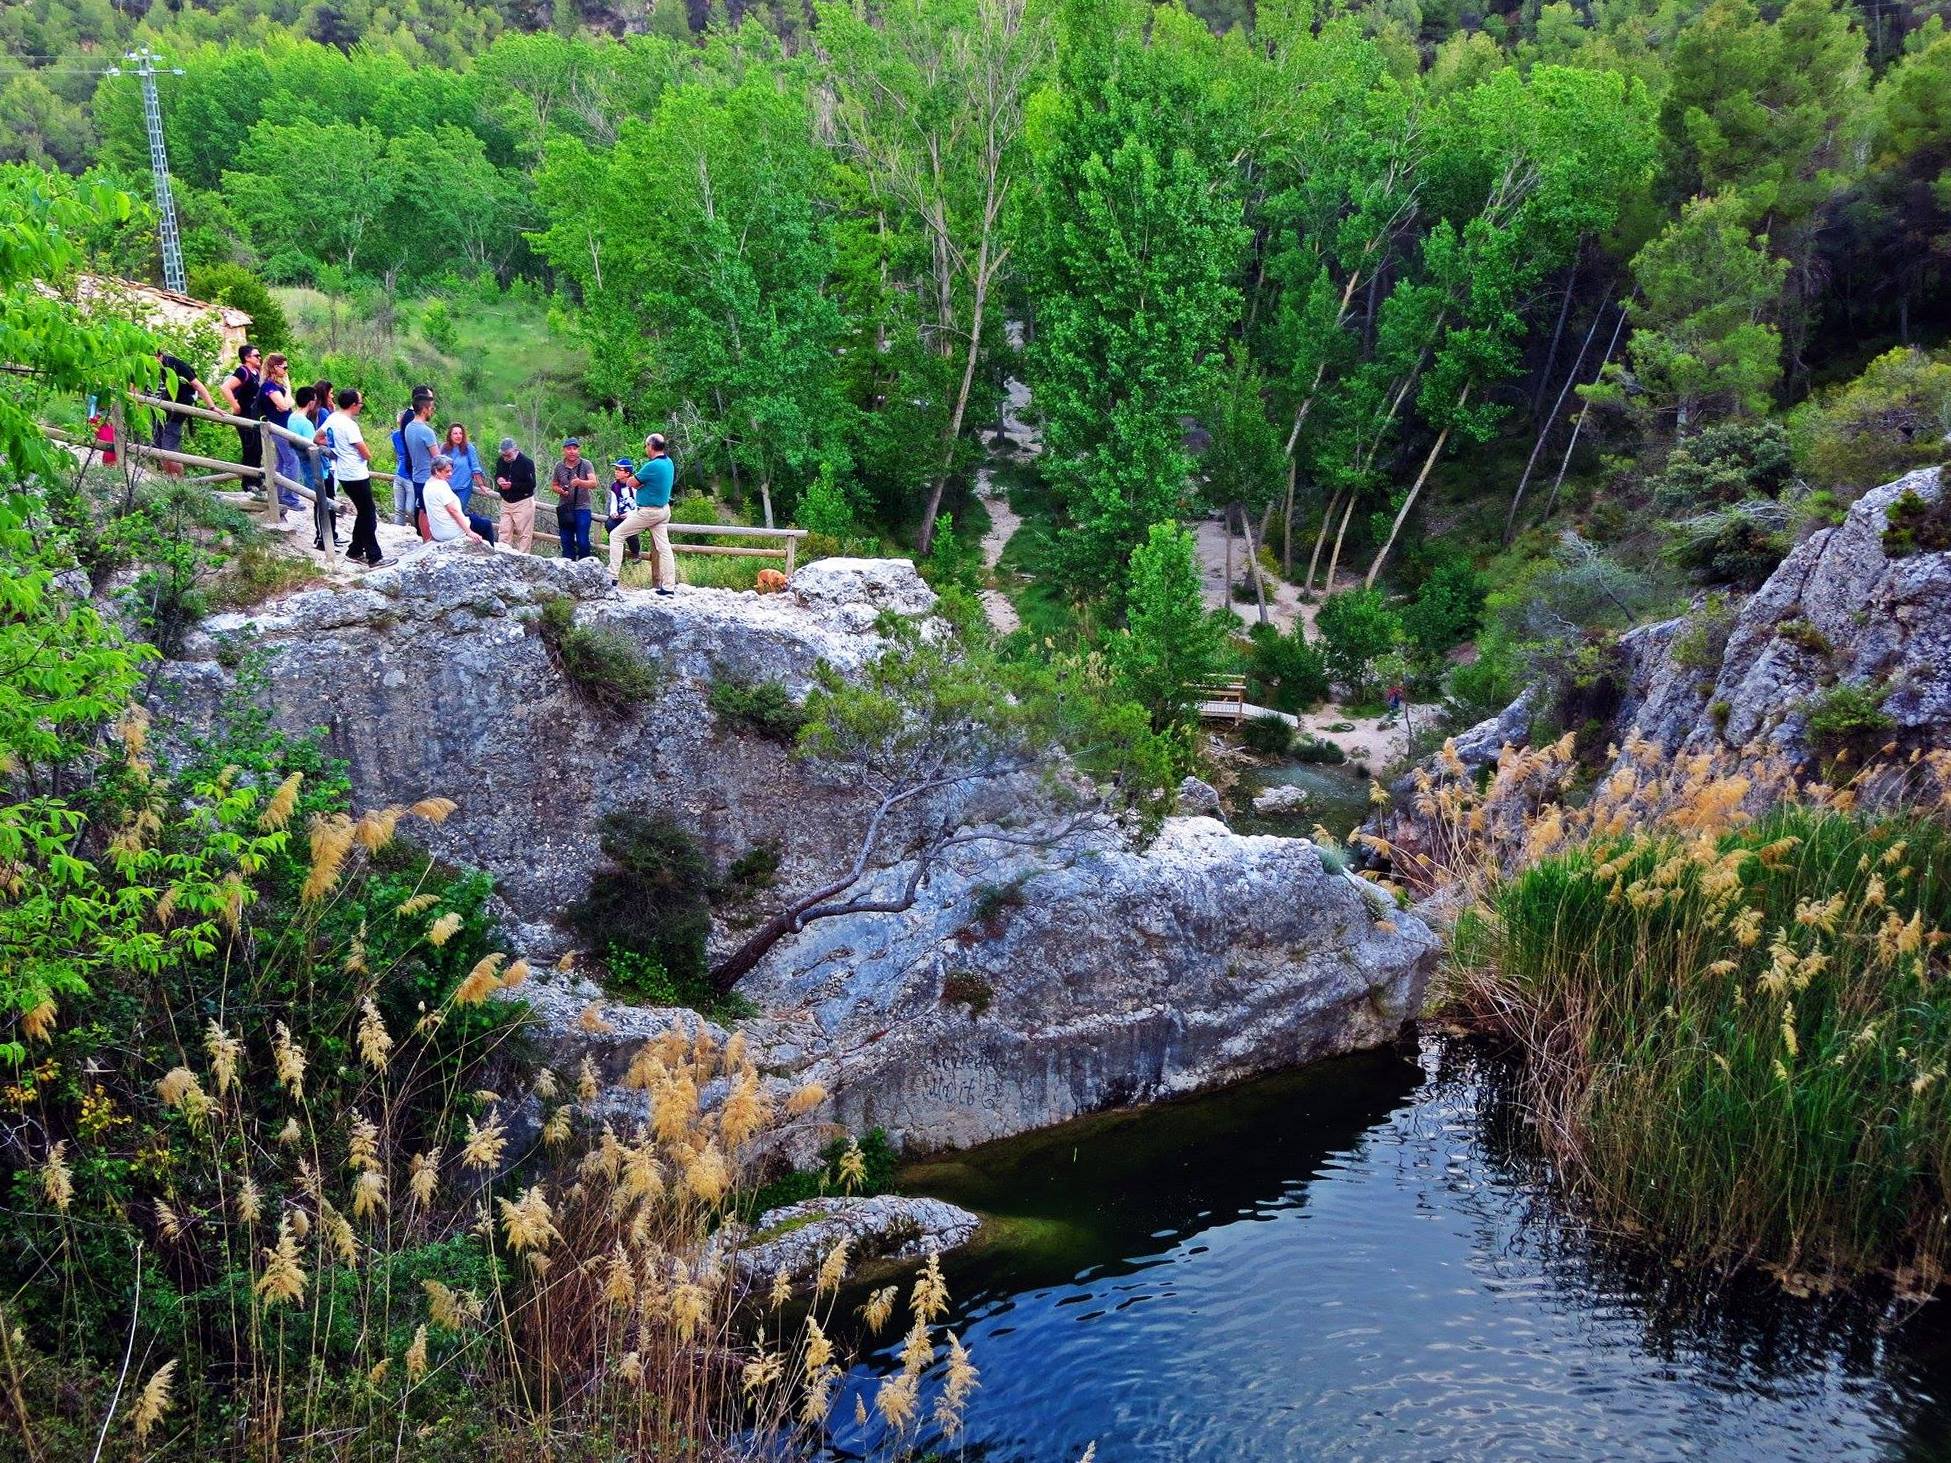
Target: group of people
437, 475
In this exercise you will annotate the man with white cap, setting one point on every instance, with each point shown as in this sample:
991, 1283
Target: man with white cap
515, 481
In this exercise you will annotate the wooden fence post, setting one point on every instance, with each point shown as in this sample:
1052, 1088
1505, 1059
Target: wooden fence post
791, 545
119, 444
267, 447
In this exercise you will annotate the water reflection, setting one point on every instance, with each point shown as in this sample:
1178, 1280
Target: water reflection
1363, 1261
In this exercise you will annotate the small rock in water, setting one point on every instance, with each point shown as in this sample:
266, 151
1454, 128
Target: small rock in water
885, 1227
1198, 799
1285, 798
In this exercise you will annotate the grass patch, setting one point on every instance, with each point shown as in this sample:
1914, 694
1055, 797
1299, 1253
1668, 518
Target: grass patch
1738, 1044
258, 572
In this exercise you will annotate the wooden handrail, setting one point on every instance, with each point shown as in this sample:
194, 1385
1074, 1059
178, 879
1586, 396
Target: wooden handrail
184, 409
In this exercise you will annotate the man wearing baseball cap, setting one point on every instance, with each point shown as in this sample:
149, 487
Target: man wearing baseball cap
575, 490
623, 493
653, 512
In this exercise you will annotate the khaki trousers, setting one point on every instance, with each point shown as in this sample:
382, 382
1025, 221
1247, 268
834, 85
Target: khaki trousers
657, 523
518, 524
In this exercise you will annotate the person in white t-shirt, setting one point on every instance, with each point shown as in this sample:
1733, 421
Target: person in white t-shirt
351, 459
446, 519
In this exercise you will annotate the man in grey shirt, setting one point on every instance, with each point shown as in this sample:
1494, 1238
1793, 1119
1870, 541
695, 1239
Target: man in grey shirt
421, 445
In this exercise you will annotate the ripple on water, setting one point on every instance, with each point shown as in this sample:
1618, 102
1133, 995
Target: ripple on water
1348, 1264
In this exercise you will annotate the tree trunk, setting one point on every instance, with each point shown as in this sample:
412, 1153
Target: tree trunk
1334, 559
1409, 502
1551, 356
1287, 526
1321, 540
1227, 597
1579, 426
765, 499
926, 538
1253, 564
1517, 498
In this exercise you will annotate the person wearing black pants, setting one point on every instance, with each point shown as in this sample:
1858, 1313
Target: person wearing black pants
240, 390
352, 465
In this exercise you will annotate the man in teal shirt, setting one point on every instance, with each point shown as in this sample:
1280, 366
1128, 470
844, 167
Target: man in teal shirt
652, 515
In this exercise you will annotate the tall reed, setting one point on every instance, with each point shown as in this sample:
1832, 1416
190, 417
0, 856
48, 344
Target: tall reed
1734, 1015
298, 1184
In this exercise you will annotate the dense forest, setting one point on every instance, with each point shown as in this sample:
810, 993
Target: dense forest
1348, 246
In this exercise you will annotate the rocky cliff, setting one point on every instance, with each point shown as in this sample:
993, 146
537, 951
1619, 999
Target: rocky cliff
1838, 611
1020, 989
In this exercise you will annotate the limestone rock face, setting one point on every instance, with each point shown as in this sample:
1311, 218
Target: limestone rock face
1838, 610
1021, 993
1024, 987
1286, 798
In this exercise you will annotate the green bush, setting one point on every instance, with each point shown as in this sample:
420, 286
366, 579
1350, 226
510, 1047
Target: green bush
1917, 526
236, 286
1849, 717
1887, 421
1723, 464
437, 324
878, 1159
1703, 644
603, 665
1285, 672
766, 708
1308, 748
1447, 609
1356, 626
651, 900
1267, 735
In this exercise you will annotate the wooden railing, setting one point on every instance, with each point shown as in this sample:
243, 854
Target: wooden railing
1220, 698
782, 543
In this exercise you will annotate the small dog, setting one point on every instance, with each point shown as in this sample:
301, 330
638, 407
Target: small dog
771, 581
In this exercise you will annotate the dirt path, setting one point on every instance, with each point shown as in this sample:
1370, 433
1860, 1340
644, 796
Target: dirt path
1372, 741
1020, 439
1003, 522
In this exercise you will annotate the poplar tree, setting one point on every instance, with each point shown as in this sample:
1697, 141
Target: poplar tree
1131, 243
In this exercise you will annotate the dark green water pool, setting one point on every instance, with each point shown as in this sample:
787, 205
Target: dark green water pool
1360, 1261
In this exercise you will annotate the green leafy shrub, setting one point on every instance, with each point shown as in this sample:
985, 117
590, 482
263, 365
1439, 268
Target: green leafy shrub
1916, 526
650, 901
1887, 421
1309, 748
1447, 609
236, 286
752, 872
1800, 633
1847, 717
605, 667
1723, 464
1356, 626
766, 708
1271, 736
1703, 644
437, 324
953, 561
878, 1163
1286, 672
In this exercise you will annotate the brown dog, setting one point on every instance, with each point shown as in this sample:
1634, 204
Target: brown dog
771, 581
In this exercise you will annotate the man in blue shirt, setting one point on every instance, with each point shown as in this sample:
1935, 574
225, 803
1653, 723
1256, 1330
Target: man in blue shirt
652, 514
420, 445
